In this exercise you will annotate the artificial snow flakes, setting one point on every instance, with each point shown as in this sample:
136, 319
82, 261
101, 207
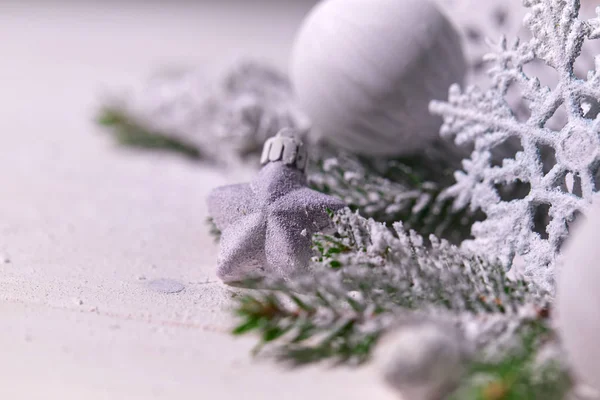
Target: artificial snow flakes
534, 226
267, 225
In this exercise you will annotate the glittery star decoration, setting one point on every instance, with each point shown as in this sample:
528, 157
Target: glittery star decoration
267, 225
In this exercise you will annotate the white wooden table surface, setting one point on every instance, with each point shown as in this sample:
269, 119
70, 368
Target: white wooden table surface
85, 226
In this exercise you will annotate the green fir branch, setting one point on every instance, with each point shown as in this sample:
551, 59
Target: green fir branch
213, 230
293, 322
129, 133
410, 189
518, 374
365, 280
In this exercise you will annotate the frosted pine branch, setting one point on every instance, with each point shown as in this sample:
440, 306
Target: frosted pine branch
369, 279
224, 121
403, 189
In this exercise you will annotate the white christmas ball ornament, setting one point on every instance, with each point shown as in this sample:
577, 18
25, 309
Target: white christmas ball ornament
423, 361
578, 300
364, 71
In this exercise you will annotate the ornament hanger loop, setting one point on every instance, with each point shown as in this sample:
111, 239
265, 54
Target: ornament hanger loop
285, 147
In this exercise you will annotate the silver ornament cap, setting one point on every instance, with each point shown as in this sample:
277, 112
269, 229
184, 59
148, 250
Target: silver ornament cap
287, 148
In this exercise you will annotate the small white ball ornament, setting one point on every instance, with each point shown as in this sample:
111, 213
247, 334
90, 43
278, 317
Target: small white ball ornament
578, 300
423, 360
364, 71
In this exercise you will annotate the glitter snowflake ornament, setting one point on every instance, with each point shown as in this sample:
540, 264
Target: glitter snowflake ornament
267, 225
557, 186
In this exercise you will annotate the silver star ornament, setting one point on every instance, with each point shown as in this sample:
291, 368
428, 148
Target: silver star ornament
267, 225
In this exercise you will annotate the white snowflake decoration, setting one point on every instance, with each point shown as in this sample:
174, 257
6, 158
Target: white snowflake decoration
478, 21
485, 120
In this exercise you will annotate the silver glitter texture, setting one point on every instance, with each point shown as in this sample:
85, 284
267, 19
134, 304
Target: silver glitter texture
267, 225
